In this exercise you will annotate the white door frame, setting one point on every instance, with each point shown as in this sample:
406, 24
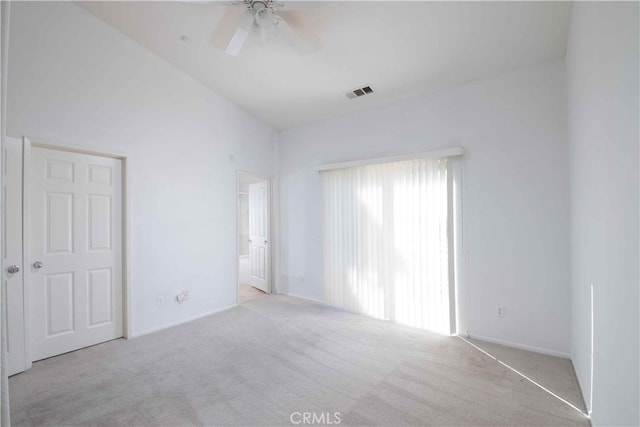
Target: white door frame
27, 145
271, 230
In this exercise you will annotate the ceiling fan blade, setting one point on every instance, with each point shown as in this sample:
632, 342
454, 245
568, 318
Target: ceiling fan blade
292, 37
240, 36
264, 35
226, 27
232, 31
246, 20
236, 43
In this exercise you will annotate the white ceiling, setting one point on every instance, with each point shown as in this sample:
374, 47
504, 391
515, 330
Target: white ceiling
399, 48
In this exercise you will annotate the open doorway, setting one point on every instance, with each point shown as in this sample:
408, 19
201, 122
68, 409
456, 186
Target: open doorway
253, 233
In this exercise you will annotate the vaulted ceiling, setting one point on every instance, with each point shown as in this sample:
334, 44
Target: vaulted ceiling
399, 48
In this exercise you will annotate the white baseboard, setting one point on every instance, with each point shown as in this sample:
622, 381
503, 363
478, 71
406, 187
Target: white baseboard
305, 298
180, 322
534, 349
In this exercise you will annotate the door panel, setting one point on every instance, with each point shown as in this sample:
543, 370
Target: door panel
13, 282
59, 303
259, 199
59, 223
76, 233
100, 291
99, 220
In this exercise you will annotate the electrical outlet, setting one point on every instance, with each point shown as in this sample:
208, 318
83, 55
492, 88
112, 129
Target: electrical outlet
182, 297
159, 300
500, 311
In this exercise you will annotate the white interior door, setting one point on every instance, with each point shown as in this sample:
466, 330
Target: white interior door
12, 250
259, 254
75, 251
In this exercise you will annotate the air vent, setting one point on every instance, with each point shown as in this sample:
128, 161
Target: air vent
362, 91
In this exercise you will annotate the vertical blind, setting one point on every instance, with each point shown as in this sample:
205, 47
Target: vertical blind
386, 241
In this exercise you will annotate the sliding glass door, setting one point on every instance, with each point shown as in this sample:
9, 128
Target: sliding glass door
388, 242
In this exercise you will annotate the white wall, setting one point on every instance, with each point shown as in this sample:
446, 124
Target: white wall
602, 81
516, 195
75, 80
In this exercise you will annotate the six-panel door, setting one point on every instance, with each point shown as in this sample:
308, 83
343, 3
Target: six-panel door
75, 251
259, 235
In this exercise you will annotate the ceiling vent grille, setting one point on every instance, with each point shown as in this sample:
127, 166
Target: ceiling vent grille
361, 91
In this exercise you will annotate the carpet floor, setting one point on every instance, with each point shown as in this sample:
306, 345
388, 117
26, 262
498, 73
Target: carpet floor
273, 359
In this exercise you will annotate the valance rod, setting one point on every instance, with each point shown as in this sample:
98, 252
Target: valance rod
431, 154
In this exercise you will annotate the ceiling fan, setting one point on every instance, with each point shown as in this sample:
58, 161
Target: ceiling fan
265, 18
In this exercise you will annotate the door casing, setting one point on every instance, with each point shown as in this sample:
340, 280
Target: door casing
27, 145
13, 291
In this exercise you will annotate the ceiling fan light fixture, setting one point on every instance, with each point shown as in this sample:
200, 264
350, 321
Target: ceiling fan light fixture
261, 18
265, 18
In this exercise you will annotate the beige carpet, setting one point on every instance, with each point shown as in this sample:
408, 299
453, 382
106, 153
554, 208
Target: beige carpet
260, 362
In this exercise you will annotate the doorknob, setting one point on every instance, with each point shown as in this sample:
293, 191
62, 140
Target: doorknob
249, 240
13, 269
38, 265
265, 242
